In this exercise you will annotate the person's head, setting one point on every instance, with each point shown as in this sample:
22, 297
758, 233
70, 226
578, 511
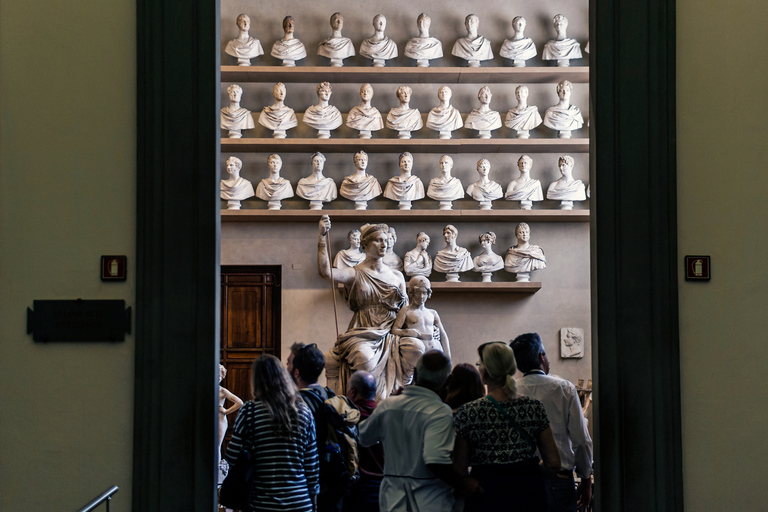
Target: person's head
529, 353
524, 163
489, 237
234, 165
318, 160
337, 21
471, 22
564, 88
243, 22
373, 233
354, 238
463, 386
497, 366
278, 91
521, 92
446, 163
222, 372
274, 162
419, 290
361, 386
451, 232
405, 161
523, 232
360, 159
288, 24
432, 370
273, 387
404, 93
308, 363
379, 22
518, 23
366, 92
235, 92
484, 94
565, 161
422, 240
324, 90
423, 21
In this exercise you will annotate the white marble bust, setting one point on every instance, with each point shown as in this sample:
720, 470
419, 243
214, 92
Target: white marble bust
364, 117
524, 188
444, 118
472, 48
404, 119
406, 187
524, 258
244, 47
417, 261
484, 190
352, 256
561, 48
445, 188
520, 48
523, 118
323, 117
288, 49
275, 188
487, 261
391, 259
336, 48
423, 48
317, 188
360, 187
235, 189
235, 118
483, 119
452, 259
566, 189
563, 116
378, 47
278, 117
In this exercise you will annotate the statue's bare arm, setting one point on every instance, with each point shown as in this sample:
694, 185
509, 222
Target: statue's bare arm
443, 335
340, 275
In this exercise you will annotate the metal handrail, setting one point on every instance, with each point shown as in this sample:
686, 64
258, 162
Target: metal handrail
105, 496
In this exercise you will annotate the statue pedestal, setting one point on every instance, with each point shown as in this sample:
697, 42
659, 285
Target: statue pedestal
523, 134
364, 134
323, 134
278, 134
484, 134
233, 205
566, 205
289, 63
564, 134
274, 205
526, 205
404, 135
523, 277
404, 205
315, 205
361, 205
485, 205
563, 63
243, 62
446, 205
337, 62
235, 134
444, 134
379, 63
452, 277
473, 63
518, 63
486, 276
422, 63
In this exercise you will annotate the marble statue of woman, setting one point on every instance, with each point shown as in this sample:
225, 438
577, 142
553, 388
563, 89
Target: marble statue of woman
483, 119
445, 188
337, 48
523, 118
323, 117
379, 47
404, 119
364, 117
406, 187
316, 188
520, 48
224, 395
472, 48
234, 117
488, 261
561, 48
566, 189
524, 258
444, 118
244, 47
417, 261
352, 256
275, 188
235, 189
564, 117
391, 259
484, 190
524, 188
360, 187
288, 49
278, 117
452, 259
423, 48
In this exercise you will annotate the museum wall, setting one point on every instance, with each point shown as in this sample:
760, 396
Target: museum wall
67, 196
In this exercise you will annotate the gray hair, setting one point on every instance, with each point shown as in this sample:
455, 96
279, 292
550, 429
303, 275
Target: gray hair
364, 383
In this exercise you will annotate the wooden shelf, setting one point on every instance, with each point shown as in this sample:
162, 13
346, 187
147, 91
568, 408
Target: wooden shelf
406, 215
406, 75
477, 286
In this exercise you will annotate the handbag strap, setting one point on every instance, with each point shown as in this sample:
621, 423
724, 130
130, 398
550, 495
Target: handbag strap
525, 435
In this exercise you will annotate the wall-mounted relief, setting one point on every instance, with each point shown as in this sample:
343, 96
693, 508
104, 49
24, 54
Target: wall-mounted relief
571, 343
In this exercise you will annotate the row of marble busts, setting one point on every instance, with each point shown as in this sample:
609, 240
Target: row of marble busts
521, 259
405, 188
563, 117
379, 48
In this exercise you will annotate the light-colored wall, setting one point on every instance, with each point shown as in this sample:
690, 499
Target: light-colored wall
67, 196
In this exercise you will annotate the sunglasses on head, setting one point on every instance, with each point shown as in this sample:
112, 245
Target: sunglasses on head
482, 347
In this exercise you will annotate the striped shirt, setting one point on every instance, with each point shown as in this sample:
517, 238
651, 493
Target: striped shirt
287, 469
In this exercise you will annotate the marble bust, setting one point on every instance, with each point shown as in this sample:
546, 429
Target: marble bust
235, 189
417, 261
566, 189
445, 188
288, 49
423, 48
406, 187
483, 119
317, 188
472, 48
523, 118
323, 117
234, 117
524, 188
244, 47
404, 119
391, 259
520, 48
484, 190
378, 47
564, 117
336, 48
452, 259
364, 117
488, 261
444, 118
524, 258
561, 48
360, 187
275, 188
352, 256
278, 117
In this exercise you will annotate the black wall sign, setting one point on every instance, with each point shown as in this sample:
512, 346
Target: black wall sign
79, 320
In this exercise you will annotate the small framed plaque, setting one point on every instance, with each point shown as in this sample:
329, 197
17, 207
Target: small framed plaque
698, 268
113, 268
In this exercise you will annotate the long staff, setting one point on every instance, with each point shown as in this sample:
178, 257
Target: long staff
333, 283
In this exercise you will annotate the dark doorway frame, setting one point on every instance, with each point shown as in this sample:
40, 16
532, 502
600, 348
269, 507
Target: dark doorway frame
634, 255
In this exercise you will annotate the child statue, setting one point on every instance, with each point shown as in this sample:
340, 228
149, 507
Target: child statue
524, 258
566, 189
524, 188
519, 48
472, 48
323, 117
391, 259
336, 47
523, 118
360, 187
488, 261
244, 47
234, 117
564, 117
288, 49
278, 117
484, 190
404, 119
444, 118
483, 119
452, 259
352, 256
445, 188
235, 189
561, 48
407, 187
224, 395
364, 117
423, 48
417, 261
379, 47
316, 188
275, 188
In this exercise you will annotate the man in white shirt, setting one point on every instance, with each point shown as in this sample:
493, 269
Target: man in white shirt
561, 400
